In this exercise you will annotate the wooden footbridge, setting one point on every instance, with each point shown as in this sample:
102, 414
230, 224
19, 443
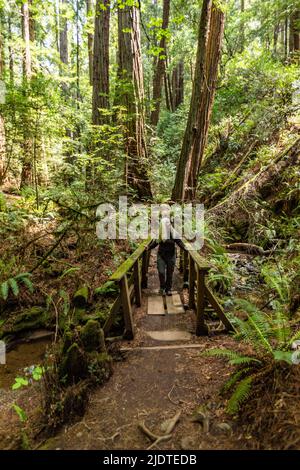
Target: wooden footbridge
132, 278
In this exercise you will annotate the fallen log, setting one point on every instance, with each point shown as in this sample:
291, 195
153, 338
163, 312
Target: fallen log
248, 248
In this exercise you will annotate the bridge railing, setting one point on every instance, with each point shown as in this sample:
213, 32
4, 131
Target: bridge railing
131, 277
195, 269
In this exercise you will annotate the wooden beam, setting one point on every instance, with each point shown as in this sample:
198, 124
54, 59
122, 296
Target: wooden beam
129, 263
192, 275
185, 268
137, 284
145, 263
219, 310
127, 309
201, 328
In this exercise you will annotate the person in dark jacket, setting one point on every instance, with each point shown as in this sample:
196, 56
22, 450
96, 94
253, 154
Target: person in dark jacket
166, 260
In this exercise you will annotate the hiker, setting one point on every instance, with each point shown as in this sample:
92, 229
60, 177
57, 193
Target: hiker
166, 257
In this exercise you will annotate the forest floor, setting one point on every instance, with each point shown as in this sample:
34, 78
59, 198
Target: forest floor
152, 386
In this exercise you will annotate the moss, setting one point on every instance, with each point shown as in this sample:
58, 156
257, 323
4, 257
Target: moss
80, 298
92, 337
100, 367
107, 290
73, 366
30, 319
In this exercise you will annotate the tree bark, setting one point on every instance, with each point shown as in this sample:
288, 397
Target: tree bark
178, 84
90, 38
26, 38
294, 42
101, 62
242, 27
2, 122
26, 173
130, 94
63, 34
208, 56
161, 65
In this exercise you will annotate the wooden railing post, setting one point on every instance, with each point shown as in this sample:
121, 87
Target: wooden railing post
145, 264
192, 275
137, 284
201, 328
185, 268
127, 309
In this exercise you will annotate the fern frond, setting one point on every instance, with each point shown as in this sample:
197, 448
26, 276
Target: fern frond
14, 286
261, 337
244, 360
235, 378
222, 353
240, 395
295, 337
27, 282
4, 290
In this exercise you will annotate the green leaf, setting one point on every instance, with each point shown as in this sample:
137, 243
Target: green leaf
27, 282
283, 356
69, 271
19, 383
240, 395
14, 286
20, 412
4, 290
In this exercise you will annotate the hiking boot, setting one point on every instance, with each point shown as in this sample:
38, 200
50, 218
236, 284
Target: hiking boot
162, 292
169, 293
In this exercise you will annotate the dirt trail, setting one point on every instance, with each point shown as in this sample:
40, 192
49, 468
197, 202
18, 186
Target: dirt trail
151, 386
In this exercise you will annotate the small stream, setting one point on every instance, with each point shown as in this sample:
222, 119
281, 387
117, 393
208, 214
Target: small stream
23, 355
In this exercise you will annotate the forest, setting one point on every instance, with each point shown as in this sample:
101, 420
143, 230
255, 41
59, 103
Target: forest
108, 342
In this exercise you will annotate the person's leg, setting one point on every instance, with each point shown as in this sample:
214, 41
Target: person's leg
161, 267
170, 270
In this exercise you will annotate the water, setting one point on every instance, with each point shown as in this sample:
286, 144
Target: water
24, 355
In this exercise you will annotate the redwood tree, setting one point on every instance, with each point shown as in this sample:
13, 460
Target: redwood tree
161, 64
130, 94
90, 37
27, 31
101, 62
208, 56
2, 123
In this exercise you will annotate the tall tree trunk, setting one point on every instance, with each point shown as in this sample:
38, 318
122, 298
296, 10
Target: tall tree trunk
161, 65
77, 61
90, 38
2, 122
130, 94
10, 53
211, 30
178, 84
275, 37
63, 34
26, 173
286, 37
101, 62
242, 27
294, 42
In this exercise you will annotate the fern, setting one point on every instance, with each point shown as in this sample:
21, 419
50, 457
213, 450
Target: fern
221, 353
244, 360
235, 378
294, 338
4, 290
240, 395
260, 334
27, 282
14, 286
